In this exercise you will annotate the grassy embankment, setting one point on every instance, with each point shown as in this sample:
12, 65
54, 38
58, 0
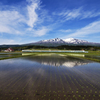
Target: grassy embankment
90, 53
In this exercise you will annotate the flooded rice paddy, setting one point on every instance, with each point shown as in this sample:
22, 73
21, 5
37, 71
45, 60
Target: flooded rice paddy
49, 78
9, 55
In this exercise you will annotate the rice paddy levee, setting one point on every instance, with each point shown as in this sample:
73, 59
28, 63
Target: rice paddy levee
67, 51
52, 52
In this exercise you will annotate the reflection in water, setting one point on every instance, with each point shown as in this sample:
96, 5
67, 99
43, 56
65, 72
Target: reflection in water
7, 55
94, 57
58, 61
4, 56
27, 79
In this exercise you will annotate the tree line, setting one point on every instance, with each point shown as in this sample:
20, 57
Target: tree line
62, 47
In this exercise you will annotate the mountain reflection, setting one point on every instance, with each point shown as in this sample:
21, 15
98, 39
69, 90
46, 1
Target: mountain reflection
58, 61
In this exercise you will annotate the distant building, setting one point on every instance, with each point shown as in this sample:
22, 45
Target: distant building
9, 50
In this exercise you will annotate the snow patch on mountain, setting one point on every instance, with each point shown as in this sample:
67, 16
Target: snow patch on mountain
75, 41
69, 40
56, 40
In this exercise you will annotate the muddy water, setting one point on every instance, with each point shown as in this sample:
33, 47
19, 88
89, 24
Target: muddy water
49, 78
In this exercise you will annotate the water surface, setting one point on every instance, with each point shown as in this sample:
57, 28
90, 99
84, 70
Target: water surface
8, 55
49, 78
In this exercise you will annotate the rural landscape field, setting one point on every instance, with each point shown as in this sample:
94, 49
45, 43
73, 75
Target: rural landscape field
49, 78
49, 49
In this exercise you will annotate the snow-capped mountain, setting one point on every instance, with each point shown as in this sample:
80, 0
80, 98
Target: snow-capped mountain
69, 41
75, 41
64, 41
56, 40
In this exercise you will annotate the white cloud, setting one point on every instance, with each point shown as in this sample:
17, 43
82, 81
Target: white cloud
10, 30
12, 21
92, 28
9, 21
78, 13
33, 16
90, 14
71, 14
8, 41
10, 16
4, 28
40, 32
66, 31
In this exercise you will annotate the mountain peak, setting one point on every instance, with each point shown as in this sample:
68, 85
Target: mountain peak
55, 40
75, 41
68, 41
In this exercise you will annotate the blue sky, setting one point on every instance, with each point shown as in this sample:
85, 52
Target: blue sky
26, 21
